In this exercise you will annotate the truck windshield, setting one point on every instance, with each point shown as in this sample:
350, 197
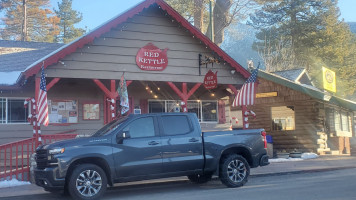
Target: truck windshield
110, 126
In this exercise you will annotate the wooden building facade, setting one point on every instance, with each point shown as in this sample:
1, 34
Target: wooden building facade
300, 117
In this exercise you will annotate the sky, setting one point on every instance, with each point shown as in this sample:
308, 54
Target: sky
96, 12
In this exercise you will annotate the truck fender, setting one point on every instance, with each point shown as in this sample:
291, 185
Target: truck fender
96, 159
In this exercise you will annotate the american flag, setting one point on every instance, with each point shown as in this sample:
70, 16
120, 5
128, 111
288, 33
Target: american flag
42, 101
247, 94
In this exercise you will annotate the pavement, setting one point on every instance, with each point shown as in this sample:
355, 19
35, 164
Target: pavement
320, 164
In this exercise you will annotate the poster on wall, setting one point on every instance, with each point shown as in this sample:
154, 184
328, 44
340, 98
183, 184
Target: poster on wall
91, 111
63, 111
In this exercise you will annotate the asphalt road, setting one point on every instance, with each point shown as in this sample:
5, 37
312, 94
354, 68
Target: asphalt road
331, 185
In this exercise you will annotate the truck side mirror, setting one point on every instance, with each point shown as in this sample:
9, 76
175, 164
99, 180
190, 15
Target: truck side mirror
121, 136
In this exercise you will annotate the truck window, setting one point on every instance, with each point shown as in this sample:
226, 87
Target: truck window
176, 125
142, 127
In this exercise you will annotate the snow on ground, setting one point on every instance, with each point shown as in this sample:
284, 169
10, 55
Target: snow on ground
9, 78
12, 183
303, 157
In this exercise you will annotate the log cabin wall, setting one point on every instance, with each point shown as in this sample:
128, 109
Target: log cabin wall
308, 117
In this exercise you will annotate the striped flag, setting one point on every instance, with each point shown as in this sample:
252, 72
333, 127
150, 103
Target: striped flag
247, 94
42, 101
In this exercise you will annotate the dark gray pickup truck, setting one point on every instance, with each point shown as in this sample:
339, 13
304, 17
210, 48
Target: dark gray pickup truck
149, 146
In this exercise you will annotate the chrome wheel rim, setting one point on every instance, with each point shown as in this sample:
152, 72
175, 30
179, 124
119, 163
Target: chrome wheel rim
89, 183
236, 171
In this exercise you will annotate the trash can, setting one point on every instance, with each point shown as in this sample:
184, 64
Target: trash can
269, 146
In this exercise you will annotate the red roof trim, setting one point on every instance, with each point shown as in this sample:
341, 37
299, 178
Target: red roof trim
72, 47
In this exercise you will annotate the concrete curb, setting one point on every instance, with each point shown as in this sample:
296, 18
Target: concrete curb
302, 171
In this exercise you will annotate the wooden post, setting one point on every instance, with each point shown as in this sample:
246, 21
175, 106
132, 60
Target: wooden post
184, 94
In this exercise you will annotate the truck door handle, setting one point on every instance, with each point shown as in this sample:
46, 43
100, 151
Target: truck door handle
193, 140
153, 143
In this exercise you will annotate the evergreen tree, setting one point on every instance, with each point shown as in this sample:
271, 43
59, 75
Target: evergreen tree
308, 34
68, 18
28, 20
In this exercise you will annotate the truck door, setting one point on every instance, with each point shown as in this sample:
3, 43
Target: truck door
182, 148
140, 153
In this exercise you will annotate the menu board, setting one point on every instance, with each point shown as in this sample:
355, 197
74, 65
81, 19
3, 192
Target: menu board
63, 111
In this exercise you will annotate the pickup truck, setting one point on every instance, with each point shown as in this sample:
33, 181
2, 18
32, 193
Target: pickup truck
149, 146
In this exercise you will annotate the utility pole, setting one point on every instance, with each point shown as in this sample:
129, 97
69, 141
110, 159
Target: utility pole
24, 23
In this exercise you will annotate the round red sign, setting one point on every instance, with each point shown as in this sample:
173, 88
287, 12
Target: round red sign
151, 58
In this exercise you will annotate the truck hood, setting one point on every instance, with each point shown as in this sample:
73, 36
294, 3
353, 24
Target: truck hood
77, 142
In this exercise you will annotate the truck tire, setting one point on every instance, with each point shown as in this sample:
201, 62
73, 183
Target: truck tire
200, 178
87, 182
234, 171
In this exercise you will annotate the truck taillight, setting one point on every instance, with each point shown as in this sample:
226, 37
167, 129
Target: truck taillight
264, 134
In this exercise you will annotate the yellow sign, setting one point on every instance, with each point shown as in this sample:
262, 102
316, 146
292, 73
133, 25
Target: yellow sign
267, 94
329, 80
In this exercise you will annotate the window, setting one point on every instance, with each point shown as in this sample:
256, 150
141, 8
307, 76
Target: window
143, 127
209, 111
206, 110
283, 118
341, 121
12, 111
176, 125
156, 106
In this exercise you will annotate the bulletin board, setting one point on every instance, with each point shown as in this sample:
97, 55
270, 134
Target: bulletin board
63, 111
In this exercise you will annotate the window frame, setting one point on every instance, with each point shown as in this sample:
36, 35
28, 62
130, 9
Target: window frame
272, 119
163, 132
156, 134
200, 118
7, 111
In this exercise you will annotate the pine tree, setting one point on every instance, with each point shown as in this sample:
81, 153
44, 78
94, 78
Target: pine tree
28, 20
68, 18
307, 34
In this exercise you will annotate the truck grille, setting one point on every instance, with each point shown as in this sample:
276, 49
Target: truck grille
41, 158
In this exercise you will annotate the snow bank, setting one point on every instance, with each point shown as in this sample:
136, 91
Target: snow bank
12, 183
309, 156
9, 78
304, 156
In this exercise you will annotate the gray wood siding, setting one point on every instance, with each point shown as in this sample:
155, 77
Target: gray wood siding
115, 52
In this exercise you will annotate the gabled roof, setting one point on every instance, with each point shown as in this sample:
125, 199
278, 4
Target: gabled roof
55, 56
296, 75
308, 90
15, 56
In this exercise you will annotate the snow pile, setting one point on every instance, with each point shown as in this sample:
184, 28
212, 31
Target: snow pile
284, 160
9, 78
12, 183
304, 156
309, 156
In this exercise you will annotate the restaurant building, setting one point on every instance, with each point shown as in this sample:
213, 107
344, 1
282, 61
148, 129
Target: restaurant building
169, 65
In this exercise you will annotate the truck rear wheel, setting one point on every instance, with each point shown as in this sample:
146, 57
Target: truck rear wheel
87, 181
234, 171
200, 178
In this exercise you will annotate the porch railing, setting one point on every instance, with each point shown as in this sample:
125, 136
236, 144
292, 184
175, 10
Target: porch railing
15, 157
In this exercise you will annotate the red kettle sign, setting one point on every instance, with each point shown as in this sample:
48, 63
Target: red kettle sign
151, 58
211, 80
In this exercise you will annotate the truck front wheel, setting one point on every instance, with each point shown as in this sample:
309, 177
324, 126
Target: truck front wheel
87, 181
234, 171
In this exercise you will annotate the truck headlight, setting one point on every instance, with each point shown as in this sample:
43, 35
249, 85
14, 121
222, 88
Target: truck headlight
56, 151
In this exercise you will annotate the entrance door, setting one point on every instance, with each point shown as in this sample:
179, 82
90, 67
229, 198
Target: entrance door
140, 154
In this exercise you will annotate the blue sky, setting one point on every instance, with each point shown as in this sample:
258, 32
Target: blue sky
97, 12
